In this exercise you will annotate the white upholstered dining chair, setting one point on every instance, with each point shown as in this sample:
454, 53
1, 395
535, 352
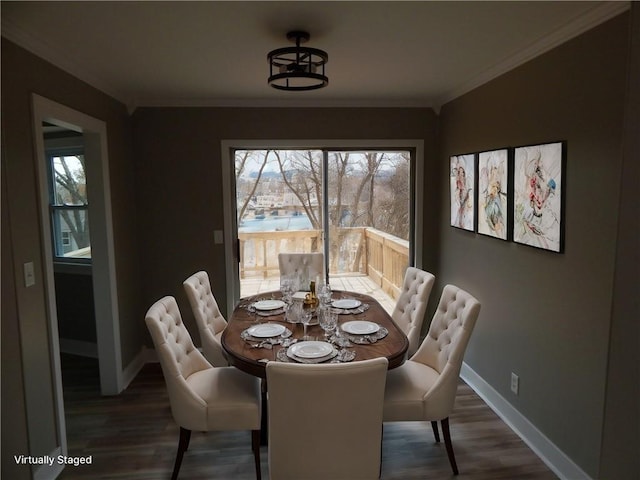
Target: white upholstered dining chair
424, 387
300, 265
325, 420
202, 397
211, 323
411, 305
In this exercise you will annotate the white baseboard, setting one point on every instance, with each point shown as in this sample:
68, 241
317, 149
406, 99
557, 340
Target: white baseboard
134, 367
79, 347
548, 452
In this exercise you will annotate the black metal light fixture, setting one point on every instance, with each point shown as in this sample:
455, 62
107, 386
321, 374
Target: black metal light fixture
297, 68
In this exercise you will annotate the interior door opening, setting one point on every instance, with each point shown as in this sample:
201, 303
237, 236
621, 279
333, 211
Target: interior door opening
47, 113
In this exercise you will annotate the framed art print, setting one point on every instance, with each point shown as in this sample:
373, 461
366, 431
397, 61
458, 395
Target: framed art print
538, 196
493, 176
462, 187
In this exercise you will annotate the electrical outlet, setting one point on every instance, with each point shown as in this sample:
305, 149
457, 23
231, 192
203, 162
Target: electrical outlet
515, 383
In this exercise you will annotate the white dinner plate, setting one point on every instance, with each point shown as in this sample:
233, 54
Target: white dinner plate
266, 330
360, 327
346, 303
311, 349
268, 304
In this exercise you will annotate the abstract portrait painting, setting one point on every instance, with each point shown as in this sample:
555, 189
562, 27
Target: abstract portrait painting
493, 171
538, 172
462, 180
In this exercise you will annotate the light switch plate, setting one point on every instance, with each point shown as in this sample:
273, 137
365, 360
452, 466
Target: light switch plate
29, 275
217, 237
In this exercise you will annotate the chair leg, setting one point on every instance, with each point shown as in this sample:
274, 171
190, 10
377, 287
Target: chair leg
183, 444
264, 416
255, 446
447, 441
436, 433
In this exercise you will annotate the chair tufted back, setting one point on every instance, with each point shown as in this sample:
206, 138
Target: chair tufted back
208, 317
318, 401
444, 346
308, 265
412, 304
450, 329
178, 357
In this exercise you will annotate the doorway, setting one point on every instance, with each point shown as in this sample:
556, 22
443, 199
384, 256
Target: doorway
347, 202
47, 113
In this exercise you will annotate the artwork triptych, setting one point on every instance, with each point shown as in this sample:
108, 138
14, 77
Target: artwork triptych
511, 194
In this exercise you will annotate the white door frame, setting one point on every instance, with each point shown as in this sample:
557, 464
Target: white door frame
229, 201
103, 259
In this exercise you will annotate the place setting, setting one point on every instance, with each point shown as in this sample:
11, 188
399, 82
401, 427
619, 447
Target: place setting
267, 335
348, 306
314, 351
363, 332
267, 308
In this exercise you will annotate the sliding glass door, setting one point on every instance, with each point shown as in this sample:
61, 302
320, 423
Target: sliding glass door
355, 206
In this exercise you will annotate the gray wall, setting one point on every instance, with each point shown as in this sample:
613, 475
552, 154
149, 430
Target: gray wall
25, 344
178, 154
547, 316
621, 436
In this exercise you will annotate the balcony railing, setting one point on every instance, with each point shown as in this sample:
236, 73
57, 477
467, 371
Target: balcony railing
360, 250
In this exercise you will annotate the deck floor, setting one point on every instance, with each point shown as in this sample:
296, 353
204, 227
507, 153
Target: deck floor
352, 283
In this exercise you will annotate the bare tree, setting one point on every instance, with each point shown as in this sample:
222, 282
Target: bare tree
71, 191
370, 166
392, 211
241, 161
302, 174
338, 170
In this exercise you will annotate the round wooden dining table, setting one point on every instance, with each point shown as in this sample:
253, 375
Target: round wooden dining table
243, 355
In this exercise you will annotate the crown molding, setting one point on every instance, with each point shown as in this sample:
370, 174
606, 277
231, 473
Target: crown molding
581, 24
60, 60
286, 103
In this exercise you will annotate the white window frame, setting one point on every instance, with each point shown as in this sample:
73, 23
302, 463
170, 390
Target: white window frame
228, 189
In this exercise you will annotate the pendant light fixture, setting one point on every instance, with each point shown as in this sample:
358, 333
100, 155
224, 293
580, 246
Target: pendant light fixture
297, 68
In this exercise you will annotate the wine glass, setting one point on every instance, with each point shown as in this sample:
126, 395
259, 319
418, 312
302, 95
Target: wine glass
324, 294
305, 317
294, 312
328, 321
286, 287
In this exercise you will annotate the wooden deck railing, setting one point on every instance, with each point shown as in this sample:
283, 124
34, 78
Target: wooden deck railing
387, 259
368, 251
259, 250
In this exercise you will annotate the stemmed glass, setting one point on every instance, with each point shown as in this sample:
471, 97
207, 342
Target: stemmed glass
324, 294
305, 317
328, 321
286, 287
294, 312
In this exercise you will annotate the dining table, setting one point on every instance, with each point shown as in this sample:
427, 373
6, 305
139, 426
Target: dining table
370, 332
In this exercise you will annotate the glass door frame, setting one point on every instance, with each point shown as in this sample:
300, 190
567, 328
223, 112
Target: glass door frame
230, 234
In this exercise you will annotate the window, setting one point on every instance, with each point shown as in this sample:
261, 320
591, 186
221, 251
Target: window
355, 206
69, 206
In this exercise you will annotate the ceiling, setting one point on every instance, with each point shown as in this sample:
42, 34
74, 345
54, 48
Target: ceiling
211, 53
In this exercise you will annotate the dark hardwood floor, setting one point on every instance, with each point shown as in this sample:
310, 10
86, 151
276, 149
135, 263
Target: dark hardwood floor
133, 436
